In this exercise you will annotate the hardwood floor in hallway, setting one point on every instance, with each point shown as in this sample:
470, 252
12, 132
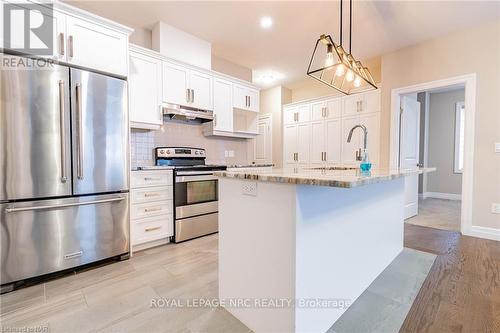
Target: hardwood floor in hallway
462, 291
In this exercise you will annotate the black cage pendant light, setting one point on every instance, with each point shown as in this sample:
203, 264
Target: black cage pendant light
333, 66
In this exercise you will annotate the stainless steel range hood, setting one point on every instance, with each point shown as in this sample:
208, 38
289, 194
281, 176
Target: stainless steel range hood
175, 111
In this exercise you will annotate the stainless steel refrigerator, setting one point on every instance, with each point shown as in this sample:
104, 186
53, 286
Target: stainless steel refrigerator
63, 170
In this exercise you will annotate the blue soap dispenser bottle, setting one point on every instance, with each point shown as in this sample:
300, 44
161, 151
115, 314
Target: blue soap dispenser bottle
365, 164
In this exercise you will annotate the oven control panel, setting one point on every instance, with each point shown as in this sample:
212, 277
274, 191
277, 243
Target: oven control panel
176, 152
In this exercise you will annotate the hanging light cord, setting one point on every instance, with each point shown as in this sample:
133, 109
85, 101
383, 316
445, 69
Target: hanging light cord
341, 22
350, 26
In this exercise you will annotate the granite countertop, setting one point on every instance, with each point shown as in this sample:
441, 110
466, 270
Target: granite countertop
234, 166
345, 178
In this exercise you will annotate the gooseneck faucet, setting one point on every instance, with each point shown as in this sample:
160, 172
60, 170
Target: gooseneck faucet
359, 155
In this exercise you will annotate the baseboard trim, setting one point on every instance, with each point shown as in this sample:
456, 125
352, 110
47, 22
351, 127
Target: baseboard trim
439, 195
484, 232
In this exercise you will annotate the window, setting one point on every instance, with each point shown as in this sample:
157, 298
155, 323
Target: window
459, 136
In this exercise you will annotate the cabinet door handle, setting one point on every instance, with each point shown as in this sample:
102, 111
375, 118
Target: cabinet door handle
326, 112
360, 106
249, 102
192, 95
215, 120
70, 46
61, 43
325, 156
188, 95
148, 210
151, 179
149, 195
152, 229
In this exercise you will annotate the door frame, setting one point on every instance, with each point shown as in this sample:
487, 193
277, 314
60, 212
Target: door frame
265, 117
469, 81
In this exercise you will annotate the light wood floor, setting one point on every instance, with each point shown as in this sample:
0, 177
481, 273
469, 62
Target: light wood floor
460, 294
117, 297
438, 213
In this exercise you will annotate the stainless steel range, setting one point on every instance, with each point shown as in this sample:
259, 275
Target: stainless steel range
195, 191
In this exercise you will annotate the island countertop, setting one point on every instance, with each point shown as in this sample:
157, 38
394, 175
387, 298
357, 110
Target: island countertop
339, 177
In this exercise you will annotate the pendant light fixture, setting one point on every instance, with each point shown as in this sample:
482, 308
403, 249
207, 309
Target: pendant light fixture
332, 65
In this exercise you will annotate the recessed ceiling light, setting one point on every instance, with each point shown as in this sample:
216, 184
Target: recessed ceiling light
266, 22
266, 77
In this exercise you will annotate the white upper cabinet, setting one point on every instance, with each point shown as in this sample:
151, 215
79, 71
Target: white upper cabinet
362, 103
333, 108
188, 87
95, 46
223, 105
245, 98
318, 110
329, 109
371, 102
145, 88
78, 37
201, 90
289, 115
304, 113
175, 84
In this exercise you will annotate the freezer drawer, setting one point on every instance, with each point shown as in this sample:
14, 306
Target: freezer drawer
41, 237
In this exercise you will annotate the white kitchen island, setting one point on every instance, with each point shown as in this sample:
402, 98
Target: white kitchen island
297, 247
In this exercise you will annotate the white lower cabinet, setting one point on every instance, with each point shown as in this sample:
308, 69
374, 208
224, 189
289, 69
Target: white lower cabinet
151, 208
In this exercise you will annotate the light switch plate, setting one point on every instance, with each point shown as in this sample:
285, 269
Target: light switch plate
226, 153
495, 208
249, 188
497, 147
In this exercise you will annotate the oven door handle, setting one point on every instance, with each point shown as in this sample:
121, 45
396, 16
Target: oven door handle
194, 178
193, 173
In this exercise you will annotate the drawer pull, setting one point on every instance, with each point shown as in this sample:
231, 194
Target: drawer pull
150, 178
152, 229
148, 210
148, 195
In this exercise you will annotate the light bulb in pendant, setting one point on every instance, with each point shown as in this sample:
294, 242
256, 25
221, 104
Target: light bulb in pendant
357, 81
340, 70
349, 76
329, 56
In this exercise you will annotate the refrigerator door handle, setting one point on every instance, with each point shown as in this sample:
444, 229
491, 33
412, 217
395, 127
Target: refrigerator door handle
80, 131
73, 204
62, 124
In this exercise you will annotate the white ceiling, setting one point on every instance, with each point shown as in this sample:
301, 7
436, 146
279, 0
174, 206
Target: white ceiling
234, 31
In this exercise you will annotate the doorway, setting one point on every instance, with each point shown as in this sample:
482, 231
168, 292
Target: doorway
263, 143
410, 130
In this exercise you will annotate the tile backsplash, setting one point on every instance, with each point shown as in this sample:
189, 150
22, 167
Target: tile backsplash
185, 134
